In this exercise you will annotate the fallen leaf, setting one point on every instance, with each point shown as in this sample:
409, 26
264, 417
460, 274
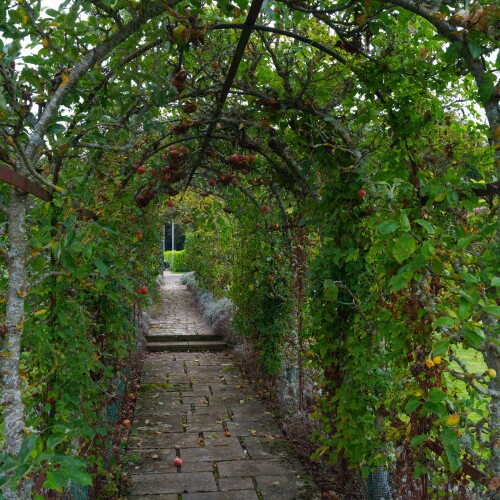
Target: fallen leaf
494, 484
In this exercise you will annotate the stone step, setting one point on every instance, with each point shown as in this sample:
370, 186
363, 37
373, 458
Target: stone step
193, 346
166, 337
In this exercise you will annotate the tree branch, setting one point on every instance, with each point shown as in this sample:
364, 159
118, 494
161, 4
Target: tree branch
42, 278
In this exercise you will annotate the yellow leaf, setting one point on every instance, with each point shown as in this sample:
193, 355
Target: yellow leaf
24, 20
40, 312
45, 42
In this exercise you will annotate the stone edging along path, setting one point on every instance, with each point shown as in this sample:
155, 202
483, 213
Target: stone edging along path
196, 406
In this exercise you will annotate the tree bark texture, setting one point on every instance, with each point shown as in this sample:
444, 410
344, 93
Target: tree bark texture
18, 276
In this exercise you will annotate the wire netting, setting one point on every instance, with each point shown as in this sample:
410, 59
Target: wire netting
378, 485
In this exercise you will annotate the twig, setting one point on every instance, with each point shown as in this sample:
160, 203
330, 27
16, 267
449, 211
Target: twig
42, 278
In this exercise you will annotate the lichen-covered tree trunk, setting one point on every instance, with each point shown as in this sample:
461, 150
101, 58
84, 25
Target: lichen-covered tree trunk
12, 403
492, 358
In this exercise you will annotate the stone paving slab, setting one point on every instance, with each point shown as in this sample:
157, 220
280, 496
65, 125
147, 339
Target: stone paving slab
223, 495
150, 484
199, 407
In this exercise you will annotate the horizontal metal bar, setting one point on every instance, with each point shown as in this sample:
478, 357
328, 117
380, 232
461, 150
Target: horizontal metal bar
19, 181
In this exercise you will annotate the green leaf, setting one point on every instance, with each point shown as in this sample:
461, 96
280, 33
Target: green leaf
436, 395
54, 440
389, 226
13, 48
101, 267
467, 277
68, 261
55, 481
412, 404
452, 53
405, 222
77, 475
493, 310
27, 447
495, 281
404, 248
475, 49
464, 308
444, 321
451, 448
472, 336
399, 281
426, 225
56, 129
442, 346
106, 227
486, 90
418, 440
437, 266
330, 290
428, 249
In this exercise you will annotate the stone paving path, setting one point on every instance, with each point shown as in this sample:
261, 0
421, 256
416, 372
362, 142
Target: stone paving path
197, 406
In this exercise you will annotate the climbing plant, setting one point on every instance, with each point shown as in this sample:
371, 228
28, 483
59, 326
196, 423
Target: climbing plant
338, 175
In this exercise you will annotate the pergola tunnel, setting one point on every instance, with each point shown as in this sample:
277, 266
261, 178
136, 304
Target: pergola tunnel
249, 249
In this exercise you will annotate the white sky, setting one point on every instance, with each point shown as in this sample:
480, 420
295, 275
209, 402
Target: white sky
51, 4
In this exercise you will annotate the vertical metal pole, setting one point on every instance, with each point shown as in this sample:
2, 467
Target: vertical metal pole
173, 247
163, 243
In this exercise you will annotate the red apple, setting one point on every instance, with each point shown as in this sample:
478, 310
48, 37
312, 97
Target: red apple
170, 203
234, 159
139, 235
144, 290
212, 182
265, 208
361, 193
141, 169
215, 65
126, 422
178, 461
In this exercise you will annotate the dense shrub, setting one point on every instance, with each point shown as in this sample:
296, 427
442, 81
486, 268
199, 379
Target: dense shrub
179, 261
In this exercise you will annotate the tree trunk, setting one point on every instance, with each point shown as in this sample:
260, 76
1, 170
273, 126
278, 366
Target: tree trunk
14, 319
492, 359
